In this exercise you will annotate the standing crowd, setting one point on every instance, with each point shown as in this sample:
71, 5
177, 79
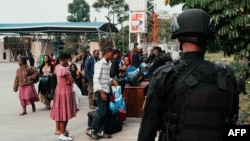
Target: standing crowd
189, 99
61, 81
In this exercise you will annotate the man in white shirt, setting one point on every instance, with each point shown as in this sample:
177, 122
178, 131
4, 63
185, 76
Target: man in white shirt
102, 82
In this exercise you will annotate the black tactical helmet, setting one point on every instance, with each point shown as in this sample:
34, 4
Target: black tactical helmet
193, 21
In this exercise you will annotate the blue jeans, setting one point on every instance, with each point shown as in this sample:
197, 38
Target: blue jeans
102, 113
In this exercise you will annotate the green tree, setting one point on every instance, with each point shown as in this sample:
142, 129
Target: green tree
232, 19
164, 31
122, 40
79, 11
116, 9
164, 24
150, 21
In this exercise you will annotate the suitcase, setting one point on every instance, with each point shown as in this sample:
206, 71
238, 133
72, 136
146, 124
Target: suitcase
113, 125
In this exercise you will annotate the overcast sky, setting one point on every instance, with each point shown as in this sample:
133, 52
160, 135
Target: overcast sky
30, 11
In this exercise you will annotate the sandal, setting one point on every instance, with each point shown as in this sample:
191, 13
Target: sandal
23, 113
103, 135
92, 133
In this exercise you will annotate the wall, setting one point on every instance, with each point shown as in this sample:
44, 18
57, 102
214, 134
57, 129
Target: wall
36, 49
94, 46
2, 51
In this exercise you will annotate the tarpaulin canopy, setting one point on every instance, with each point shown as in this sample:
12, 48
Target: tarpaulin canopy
57, 27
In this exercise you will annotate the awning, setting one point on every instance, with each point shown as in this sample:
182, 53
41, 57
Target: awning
57, 27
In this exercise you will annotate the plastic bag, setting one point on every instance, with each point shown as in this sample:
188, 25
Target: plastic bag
78, 94
118, 99
118, 105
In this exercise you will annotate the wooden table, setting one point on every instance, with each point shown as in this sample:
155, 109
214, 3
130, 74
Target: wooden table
134, 98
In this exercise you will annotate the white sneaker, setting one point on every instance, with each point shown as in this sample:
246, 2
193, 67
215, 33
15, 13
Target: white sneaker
62, 137
68, 135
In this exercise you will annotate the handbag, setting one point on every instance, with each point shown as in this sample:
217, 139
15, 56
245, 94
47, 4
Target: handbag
44, 84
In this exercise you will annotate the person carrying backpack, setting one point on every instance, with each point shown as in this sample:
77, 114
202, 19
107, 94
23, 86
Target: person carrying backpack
191, 99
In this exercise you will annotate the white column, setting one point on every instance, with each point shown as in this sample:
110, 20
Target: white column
139, 38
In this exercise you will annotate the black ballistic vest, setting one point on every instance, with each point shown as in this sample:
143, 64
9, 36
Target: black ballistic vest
199, 104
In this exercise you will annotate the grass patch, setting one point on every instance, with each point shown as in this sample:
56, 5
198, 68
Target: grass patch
244, 112
215, 57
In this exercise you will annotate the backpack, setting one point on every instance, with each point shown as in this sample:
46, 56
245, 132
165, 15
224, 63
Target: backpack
202, 105
136, 77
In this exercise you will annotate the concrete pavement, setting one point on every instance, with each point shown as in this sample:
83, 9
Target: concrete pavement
38, 126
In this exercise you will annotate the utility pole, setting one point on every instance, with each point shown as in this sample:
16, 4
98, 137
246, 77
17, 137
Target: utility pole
155, 28
154, 25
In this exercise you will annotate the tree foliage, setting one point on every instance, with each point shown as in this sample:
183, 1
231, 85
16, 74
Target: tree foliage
122, 39
105, 43
150, 21
79, 11
116, 8
232, 19
164, 22
164, 31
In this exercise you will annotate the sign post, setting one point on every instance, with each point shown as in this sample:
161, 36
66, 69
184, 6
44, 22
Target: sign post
137, 18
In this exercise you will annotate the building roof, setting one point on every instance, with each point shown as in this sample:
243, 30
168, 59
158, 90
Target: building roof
57, 27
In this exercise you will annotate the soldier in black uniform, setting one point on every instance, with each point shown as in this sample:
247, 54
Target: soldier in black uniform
191, 99
157, 59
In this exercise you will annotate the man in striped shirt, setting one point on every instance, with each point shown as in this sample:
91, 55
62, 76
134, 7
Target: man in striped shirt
102, 82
